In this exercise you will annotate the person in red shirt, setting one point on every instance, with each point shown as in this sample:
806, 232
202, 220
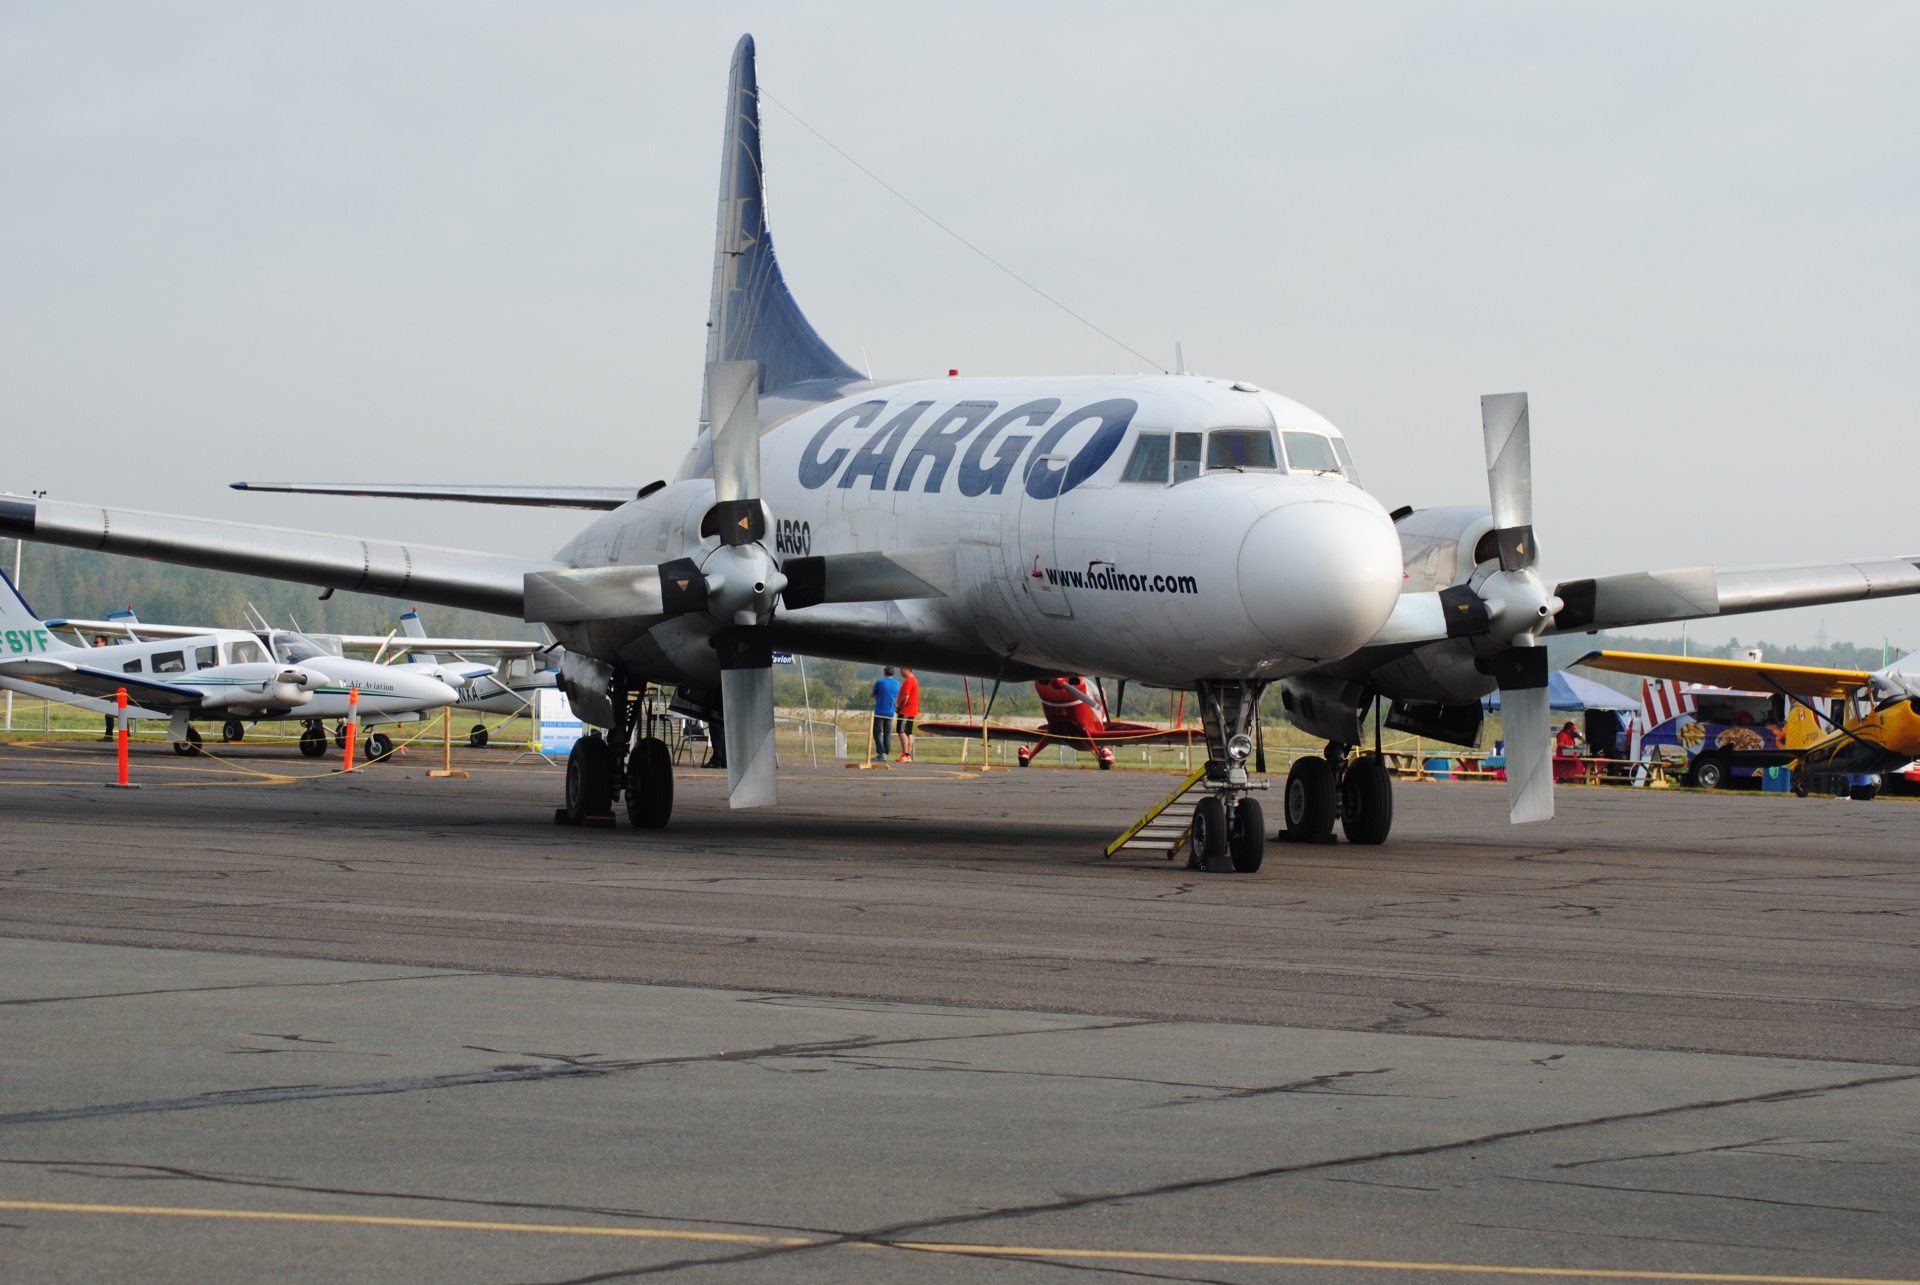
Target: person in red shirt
907, 709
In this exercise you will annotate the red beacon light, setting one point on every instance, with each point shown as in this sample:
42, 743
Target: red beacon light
953, 374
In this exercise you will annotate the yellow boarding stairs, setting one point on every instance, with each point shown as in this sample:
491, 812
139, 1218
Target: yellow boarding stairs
1166, 836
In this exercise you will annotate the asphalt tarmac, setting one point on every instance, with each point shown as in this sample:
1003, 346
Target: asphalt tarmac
257, 1024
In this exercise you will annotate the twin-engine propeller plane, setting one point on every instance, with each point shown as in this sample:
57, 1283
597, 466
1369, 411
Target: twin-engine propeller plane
189, 674
1871, 725
1171, 530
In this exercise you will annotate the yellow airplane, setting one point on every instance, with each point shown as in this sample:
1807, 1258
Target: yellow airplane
1873, 729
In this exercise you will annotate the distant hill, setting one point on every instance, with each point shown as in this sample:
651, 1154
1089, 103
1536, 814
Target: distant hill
59, 582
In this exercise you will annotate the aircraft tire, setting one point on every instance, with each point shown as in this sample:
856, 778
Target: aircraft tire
1800, 790
340, 735
233, 731
650, 784
1209, 833
191, 745
313, 741
1309, 800
1247, 837
379, 746
1863, 793
1366, 801
589, 780
477, 738
1709, 772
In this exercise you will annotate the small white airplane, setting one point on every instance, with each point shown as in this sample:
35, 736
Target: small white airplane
1167, 529
225, 674
506, 690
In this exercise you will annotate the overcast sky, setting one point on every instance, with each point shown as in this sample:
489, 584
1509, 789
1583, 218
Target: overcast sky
472, 242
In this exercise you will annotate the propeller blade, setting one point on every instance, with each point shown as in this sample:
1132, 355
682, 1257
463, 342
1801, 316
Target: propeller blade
733, 413
1509, 444
1419, 617
869, 577
1522, 674
615, 593
746, 696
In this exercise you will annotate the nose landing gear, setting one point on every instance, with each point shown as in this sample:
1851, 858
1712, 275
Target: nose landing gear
1229, 829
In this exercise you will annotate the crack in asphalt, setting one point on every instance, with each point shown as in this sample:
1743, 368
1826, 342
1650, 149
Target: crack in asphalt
883, 1236
1706, 1195
516, 1074
240, 986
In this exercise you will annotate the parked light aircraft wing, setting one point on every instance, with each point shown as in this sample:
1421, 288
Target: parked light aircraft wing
1740, 675
539, 497
405, 643
450, 577
1116, 735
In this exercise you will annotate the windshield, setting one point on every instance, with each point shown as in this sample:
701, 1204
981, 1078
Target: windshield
1310, 453
293, 648
1240, 448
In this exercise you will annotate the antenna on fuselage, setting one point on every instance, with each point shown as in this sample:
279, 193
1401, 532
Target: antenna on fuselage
1179, 359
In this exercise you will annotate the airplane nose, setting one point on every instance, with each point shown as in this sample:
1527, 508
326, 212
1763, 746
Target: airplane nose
1320, 577
425, 689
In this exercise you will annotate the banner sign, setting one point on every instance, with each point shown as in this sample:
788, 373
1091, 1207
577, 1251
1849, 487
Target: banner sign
559, 725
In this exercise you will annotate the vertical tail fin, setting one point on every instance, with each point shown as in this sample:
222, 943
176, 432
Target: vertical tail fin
410, 626
21, 632
753, 316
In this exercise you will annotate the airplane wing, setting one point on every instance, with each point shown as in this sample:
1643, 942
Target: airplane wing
102, 684
483, 646
1689, 593
1116, 733
450, 577
1740, 675
542, 497
120, 628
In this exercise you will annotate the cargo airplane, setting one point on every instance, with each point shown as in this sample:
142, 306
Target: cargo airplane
1172, 530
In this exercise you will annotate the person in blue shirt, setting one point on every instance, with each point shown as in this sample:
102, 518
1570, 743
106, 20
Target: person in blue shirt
886, 695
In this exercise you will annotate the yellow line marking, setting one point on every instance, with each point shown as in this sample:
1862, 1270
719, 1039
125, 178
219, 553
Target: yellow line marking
373, 1220
938, 1247
1376, 1264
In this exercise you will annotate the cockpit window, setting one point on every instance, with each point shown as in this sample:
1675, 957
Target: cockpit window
245, 653
1149, 462
1346, 460
1310, 453
291, 649
1240, 448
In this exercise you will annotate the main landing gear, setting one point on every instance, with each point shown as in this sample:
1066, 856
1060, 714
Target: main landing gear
313, 738
597, 777
1355, 790
1229, 830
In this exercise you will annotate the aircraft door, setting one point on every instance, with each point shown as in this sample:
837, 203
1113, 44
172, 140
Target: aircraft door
1036, 547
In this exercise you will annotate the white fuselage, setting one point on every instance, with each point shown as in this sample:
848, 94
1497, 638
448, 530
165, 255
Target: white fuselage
1245, 561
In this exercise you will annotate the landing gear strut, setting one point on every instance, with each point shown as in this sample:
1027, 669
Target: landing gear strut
1229, 830
602, 769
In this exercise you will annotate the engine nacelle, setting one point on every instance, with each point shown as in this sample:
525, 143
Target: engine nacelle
1441, 547
1444, 546
1324, 706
